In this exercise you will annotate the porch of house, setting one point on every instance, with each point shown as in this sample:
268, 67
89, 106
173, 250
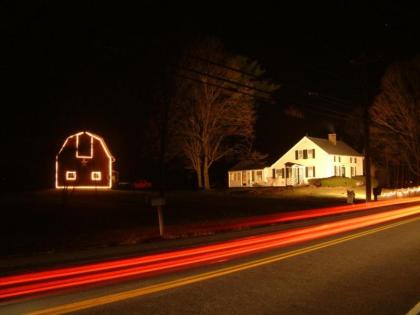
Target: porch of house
246, 178
292, 174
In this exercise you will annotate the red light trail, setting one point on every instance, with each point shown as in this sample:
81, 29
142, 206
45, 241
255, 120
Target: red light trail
19, 285
299, 215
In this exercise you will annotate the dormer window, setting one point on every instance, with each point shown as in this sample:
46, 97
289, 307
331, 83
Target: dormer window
71, 175
96, 176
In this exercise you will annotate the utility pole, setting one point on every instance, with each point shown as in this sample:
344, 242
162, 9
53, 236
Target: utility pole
363, 61
367, 164
160, 201
366, 124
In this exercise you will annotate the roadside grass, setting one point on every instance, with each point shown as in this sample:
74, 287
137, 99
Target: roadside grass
50, 220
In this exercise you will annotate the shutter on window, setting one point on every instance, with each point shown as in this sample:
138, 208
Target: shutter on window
305, 154
274, 173
282, 173
313, 153
296, 155
306, 171
313, 173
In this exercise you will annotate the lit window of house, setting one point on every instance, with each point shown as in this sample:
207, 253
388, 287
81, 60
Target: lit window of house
310, 171
311, 154
300, 154
336, 170
96, 176
71, 175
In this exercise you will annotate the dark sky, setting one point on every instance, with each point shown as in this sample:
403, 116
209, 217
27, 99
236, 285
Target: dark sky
95, 66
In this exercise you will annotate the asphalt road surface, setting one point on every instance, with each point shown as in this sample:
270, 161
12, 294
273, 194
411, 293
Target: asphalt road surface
369, 271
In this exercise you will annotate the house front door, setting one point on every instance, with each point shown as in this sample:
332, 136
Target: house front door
298, 176
244, 178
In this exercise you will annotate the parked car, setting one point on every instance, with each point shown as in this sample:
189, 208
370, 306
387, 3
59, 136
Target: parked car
142, 184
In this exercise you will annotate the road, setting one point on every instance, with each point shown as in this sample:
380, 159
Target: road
374, 270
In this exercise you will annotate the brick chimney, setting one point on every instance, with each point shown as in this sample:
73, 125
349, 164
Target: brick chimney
332, 138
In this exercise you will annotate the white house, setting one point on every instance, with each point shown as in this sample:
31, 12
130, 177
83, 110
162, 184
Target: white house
309, 158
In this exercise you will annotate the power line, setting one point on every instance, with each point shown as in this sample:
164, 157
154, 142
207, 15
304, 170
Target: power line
226, 80
327, 112
328, 98
332, 100
327, 115
264, 99
223, 66
315, 109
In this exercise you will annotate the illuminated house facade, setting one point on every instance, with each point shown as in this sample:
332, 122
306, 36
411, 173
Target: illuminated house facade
84, 161
308, 158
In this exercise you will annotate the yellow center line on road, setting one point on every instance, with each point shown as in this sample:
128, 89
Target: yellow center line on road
116, 297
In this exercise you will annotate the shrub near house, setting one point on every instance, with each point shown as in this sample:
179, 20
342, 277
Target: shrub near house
339, 181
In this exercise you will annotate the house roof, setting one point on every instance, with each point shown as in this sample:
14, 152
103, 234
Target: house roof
292, 164
341, 148
249, 165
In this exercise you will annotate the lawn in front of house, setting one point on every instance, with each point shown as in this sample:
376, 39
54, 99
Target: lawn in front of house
54, 220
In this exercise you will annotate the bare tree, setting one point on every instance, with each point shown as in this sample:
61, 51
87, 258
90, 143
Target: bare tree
214, 113
395, 115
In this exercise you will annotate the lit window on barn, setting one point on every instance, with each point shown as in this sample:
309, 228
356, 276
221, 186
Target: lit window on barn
96, 176
70, 175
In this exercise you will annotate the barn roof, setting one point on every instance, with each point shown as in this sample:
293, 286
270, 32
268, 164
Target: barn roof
101, 140
340, 148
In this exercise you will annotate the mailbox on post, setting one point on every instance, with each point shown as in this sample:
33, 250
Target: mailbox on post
376, 192
350, 196
159, 202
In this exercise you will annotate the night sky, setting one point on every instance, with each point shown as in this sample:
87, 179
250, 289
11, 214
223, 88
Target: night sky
95, 66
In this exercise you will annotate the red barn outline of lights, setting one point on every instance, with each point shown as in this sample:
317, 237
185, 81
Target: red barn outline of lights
90, 171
